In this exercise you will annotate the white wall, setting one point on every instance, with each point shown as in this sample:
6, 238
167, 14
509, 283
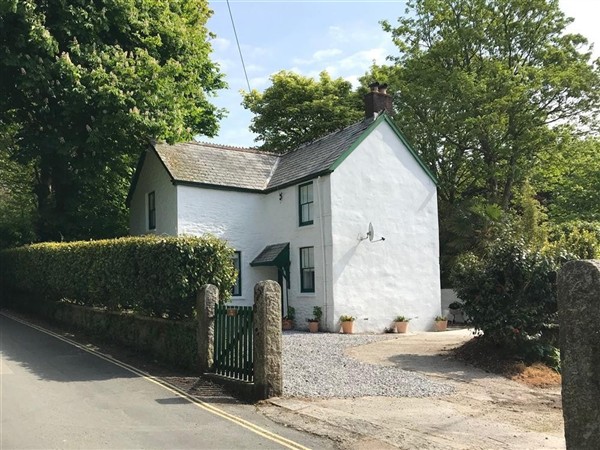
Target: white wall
249, 222
283, 227
230, 215
155, 178
381, 182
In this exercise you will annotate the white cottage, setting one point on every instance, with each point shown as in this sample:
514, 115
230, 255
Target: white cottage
302, 219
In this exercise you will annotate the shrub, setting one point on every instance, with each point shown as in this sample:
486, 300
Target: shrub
509, 293
156, 276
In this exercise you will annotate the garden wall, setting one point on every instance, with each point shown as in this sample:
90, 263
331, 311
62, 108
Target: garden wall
168, 341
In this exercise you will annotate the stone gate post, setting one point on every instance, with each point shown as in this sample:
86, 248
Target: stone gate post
579, 317
268, 341
207, 298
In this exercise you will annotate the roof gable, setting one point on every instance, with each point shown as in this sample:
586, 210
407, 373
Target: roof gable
387, 119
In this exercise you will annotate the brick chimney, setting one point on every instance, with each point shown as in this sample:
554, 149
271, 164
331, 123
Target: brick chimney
378, 100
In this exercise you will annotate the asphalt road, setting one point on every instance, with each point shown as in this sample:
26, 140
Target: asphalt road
54, 395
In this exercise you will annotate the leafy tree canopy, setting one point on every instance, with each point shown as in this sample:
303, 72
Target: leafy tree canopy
296, 109
479, 84
86, 85
568, 179
17, 203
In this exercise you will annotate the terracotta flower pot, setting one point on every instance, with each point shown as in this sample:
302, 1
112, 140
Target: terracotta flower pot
441, 325
287, 324
347, 327
401, 327
313, 327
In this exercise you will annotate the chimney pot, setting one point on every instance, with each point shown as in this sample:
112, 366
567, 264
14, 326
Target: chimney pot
378, 100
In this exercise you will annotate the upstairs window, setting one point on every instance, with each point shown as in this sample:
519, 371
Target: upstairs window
306, 203
307, 269
151, 211
236, 291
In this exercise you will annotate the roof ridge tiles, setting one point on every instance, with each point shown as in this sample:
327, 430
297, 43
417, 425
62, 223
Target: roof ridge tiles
307, 144
231, 147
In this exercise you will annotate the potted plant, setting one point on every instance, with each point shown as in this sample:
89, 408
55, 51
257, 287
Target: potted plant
313, 324
401, 324
347, 324
288, 320
441, 323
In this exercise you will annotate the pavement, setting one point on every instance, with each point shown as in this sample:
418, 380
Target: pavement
485, 412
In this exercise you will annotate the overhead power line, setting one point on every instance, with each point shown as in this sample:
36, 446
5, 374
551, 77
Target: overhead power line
238, 46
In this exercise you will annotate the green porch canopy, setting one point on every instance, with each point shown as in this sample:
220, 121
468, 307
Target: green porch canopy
275, 255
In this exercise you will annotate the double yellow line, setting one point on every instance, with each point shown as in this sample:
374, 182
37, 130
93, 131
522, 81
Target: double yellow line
286, 443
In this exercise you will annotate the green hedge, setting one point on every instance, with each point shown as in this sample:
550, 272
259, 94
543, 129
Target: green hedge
155, 276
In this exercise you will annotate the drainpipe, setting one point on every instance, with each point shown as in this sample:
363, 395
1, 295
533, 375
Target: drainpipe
322, 229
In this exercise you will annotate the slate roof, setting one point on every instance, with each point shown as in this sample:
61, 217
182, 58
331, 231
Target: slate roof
228, 167
243, 168
217, 165
316, 157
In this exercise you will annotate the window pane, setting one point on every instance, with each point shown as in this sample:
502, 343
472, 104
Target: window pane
307, 271
305, 213
308, 280
309, 193
237, 287
306, 204
151, 211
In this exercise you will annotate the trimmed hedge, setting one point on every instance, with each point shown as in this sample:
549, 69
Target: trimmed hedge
155, 276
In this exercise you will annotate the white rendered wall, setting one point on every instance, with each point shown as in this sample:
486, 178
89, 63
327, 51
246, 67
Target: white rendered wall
230, 215
381, 182
153, 177
249, 222
283, 227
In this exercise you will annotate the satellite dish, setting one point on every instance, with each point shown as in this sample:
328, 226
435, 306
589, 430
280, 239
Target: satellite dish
370, 235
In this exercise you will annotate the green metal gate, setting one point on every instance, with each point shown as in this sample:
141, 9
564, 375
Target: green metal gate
234, 347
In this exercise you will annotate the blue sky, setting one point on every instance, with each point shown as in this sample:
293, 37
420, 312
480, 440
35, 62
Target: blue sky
342, 37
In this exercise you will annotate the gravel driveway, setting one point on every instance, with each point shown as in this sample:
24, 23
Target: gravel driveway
315, 365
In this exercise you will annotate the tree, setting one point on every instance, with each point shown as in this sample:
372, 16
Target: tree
479, 86
568, 179
17, 203
479, 83
296, 109
86, 85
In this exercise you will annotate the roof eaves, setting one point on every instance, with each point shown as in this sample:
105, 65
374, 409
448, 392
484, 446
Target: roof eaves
219, 187
297, 181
